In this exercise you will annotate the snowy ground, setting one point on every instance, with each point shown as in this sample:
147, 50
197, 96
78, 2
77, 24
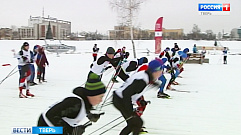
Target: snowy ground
213, 106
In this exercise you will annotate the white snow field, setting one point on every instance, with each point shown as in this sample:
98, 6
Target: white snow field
212, 105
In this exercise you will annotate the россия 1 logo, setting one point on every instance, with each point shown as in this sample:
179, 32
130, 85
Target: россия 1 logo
214, 8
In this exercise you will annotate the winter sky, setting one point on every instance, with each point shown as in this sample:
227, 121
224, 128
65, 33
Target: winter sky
92, 15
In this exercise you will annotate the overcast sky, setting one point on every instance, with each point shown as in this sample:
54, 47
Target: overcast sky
92, 15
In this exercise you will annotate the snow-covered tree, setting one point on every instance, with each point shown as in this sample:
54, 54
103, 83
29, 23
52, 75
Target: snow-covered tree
127, 10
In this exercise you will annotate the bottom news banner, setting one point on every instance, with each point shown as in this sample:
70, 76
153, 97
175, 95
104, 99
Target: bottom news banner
37, 130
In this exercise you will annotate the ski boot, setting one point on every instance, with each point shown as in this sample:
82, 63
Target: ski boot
169, 88
33, 83
143, 131
29, 94
162, 95
21, 95
175, 83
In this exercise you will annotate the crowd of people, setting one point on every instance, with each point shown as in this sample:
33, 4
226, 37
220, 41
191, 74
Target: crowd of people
138, 75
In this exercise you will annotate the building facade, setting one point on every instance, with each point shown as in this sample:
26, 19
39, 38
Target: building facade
235, 34
6, 34
123, 33
172, 34
38, 26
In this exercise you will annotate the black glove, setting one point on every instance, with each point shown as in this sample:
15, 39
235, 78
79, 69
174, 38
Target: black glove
79, 130
144, 102
24, 58
94, 117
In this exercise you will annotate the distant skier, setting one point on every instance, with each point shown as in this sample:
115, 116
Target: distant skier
24, 60
176, 66
166, 54
175, 49
95, 52
225, 55
41, 62
132, 89
72, 110
194, 49
203, 52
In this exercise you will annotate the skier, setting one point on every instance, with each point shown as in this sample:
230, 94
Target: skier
102, 64
24, 60
175, 49
120, 53
225, 54
163, 80
203, 52
123, 51
41, 62
176, 65
69, 112
95, 51
33, 57
166, 53
132, 89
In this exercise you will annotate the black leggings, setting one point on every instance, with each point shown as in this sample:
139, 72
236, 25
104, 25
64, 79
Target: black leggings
41, 73
134, 123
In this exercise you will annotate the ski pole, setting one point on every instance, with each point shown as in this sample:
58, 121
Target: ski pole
105, 125
115, 125
106, 104
9, 74
115, 74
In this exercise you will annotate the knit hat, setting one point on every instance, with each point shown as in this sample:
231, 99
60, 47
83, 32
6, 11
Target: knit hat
167, 49
24, 44
94, 86
155, 65
110, 50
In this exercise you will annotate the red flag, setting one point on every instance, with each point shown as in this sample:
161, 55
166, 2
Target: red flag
158, 35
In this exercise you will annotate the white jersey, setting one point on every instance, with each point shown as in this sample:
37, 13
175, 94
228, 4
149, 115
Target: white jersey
99, 69
142, 75
72, 122
21, 61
